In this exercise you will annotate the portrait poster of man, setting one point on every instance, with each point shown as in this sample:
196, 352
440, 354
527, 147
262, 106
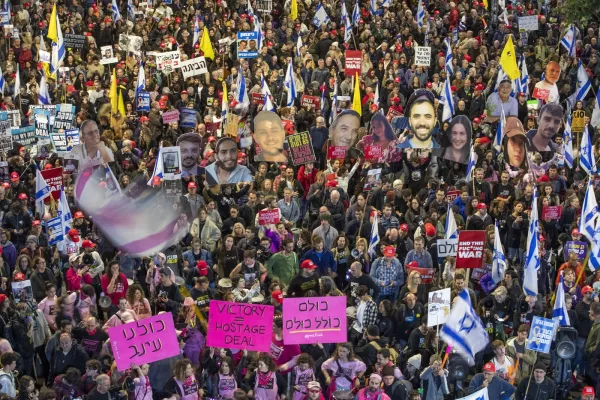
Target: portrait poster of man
422, 119
22, 291
515, 144
247, 44
455, 143
269, 136
226, 168
343, 132
189, 145
171, 158
547, 90
373, 178
92, 152
549, 122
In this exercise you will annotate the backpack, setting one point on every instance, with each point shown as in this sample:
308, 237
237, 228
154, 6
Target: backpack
393, 352
407, 386
7, 332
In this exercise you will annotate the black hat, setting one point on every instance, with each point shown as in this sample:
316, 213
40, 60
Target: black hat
373, 330
539, 365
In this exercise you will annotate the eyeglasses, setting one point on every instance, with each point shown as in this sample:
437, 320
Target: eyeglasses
315, 390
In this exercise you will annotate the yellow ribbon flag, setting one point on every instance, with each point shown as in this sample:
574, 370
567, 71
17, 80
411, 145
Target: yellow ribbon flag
52, 31
206, 46
485, 3
356, 103
294, 10
114, 100
508, 60
121, 104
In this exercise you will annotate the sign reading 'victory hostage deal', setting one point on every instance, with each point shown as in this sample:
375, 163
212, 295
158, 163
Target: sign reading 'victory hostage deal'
314, 320
469, 253
311, 102
240, 326
141, 342
301, 148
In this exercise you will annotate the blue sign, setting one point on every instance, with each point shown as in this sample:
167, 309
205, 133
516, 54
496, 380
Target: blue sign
188, 117
54, 230
247, 44
143, 101
4, 18
541, 334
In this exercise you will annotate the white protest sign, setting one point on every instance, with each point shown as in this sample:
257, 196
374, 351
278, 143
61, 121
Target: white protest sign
423, 56
528, 23
438, 307
171, 58
446, 247
193, 67
107, 55
44, 56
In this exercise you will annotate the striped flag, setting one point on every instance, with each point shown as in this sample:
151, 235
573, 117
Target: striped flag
594, 261
499, 261
420, 14
116, 13
355, 14
589, 211
560, 312
346, 23
64, 212
595, 121
374, 240
141, 79
586, 155
532, 256
2, 82
568, 41
471, 164
448, 66
196, 38
17, 82
290, 85
448, 101
264, 90
42, 190
241, 92
568, 143
451, 227
44, 95
500, 131
299, 46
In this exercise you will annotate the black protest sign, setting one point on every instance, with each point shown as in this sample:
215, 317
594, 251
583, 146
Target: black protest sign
74, 41
301, 148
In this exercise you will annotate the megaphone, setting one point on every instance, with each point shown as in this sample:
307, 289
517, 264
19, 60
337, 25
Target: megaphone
356, 253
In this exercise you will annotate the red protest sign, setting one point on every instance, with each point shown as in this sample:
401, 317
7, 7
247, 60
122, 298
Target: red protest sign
312, 102
541, 94
551, 212
268, 217
331, 177
373, 152
452, 195
353, 62
257, 98
54, 179
336, 152
469, 253
392, 113
426, 274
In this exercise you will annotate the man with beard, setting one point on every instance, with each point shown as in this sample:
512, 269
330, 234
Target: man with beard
373, 391
549, 122
269, 135
189, 143
422, 118
226, 169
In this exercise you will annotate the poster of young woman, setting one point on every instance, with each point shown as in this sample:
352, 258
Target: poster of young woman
456, 140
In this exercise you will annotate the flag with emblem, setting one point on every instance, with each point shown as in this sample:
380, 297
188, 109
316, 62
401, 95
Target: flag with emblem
532, 255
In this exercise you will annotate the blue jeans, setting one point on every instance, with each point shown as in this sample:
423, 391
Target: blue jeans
515, 252
579, 362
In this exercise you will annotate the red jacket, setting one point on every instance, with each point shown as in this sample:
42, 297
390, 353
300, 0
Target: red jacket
306, 180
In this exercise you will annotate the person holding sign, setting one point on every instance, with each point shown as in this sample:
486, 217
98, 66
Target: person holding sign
92, 152
183, 385
382, 136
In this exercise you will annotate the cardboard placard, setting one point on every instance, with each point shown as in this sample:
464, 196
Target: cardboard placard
74, 41
578, 121
5, 135
438, 307
64, 118
578, 247
469, 253
312, 102
170, 116
446, 247
54, 179
247, 44
427, 274
336, 152
172, 58
54, 230
232, 125
541, 94
264, 6
541, 334
301, 148
143, 101
188, 117
108, 56
353, 62
193, 67
314, 320
25, 136
42, 126
268, 217
451, 195
528, 23
423, 56
552, 212
373, 152
257, 98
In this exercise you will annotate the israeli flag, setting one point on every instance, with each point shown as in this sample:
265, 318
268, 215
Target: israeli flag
241, 92
420, 14
64, 212
374, 240
462, 25
44, 95
499, 262
376, 97
524, 77
334, 103
595, 114
374, 7
264, 90
448, 101
299, 46
532, 257
568, 143
568, 41
17, 83
258, 30
321, 17
290, 84
583, 83
448, 67
463, 329
586, 155
130, 10
116, 12
451, 229
158, 168
42, 190
594, 261
479, 395
2, 82
471, 164
500, 131
589, 211
323, 102
346, 23
58, 49
141, 79
560, 312
196, 39
355, 14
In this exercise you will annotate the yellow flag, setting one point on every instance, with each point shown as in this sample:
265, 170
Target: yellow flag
485, 3
52, 33
294, 10
225, 100
206, 46
508, 60
121, 105
356, 102
114, 101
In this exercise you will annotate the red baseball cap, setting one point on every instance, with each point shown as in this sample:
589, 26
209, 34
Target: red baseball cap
36, 222
575, 231
481, 206
22, 196
202, 267
14, 176
476, 120
404, 227
489, 367
412, 264
74, 234
429, 229
19, 276
308, 264
192, 185
389, 251
79, 214
143, 118
586, 289
88, 244
277, 295
587, 391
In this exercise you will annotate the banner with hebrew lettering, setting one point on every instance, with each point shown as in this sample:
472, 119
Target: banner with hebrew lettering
193, 67
145, 341
314, 320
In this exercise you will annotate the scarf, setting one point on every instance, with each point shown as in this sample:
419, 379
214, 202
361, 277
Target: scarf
264, 378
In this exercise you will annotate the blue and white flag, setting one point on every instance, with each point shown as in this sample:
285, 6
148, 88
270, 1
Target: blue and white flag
374, 240
141, 79
499, 261
130, 10
587, 220
451, 227
2, 82
420, 14
258, 30
346, 23
299, 46
17, 82
462, 25
500, 131
355, 14
334, 103
197, 33
594, 261
463, 329
264, 90
44, 94
560, 312
158, 168
290, 85
471, 164
586, 154
521, 84
374, 8
323, 102
595, 121
241, 91
532, 256
568, 41
58, 49
42, 190
376, 97
478, 395
448, 66
568, 143
448, 101
116, 12
64, 212
583, 83
321, 17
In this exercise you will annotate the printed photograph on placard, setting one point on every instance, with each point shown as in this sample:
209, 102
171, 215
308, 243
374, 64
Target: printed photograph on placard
227, 168
269, 136
422, 120
171, 160
247, 44
380, 145
22, 291
549, 124
455, 144
343, 132
373, 178
547, 90
515, 144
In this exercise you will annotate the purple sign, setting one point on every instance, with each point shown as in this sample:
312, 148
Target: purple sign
314, 320
578, 247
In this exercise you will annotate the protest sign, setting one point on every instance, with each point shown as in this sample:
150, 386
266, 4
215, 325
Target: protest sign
54, 179
8, 30
15, 118
541, 334
143, 101
44, 56
171, 159
268, 217
451, 195
4, 17
74, 41
193, 67
301, 148
469, 253
541, 93
336, 152
257, 98
54, 230
188, 117
247, 44
314, 320
580, 248
24, 136
477, 273
423, 56
438, 307
65, 116
170, 116
171, 58
373, 178
240, 326
141, 342
352, 66
108, 56
5, 135
131, 43
264, 6
22, 292
446, 247
528, 23
551, 212
427, 274
73, 138
59, 141
232, 125
41, 126
578, 121
373, 152
311, 102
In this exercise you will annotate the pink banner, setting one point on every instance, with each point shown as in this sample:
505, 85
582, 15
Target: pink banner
268, 217
145, 341
314, 320
240, 326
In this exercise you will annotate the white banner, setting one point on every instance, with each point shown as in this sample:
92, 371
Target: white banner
438, 307
171, 58
528, 23
446, 247
193, 67
423, 56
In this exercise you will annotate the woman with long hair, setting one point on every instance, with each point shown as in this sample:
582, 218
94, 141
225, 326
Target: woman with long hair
138, 302
223, 379
456, 142
268, 385
27, 390
381, 135
227, 257
24, 265
342, 371
363, 255
114, 282
414, 286
183, 385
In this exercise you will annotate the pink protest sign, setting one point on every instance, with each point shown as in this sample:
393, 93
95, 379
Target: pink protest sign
145, 341
314, 320
267, 217
240, 326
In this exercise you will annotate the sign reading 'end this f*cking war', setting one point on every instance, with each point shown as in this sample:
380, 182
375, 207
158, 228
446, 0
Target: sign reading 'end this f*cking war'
314, 320
240, 326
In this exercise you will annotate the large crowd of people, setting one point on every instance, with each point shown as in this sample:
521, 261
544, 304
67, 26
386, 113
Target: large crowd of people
423, 135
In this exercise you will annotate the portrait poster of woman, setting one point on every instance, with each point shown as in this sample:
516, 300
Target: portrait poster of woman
381, 134
456, 141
